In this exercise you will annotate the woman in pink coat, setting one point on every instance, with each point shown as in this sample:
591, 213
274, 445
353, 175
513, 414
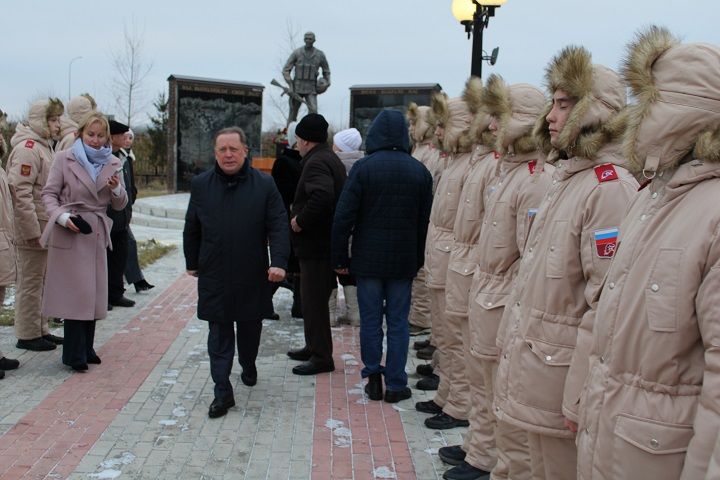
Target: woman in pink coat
83, 181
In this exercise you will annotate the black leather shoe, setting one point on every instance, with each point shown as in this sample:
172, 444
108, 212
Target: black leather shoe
443, 421
80, 367
374, 389
94, 359
428, 407
429, 383
452, 455
394, 396
313, 368
301, 354
8, 363
36, 345
220, 406
426, 353
424, 369
142, 286
110, 307
122, 302
420, 344
53, 339
249, 376
465, 471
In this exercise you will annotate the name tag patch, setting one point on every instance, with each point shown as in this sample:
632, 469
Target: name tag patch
606, 242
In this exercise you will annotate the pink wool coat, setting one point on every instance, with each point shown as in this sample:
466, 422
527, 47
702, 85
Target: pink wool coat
76, 279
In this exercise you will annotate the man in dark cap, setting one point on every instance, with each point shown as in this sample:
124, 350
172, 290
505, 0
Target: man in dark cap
321, 181
117, 257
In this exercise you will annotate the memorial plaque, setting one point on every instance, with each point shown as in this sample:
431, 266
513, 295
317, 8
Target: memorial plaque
366, 101
199, 107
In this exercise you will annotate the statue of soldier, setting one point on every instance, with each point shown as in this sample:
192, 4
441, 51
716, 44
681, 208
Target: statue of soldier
307, 61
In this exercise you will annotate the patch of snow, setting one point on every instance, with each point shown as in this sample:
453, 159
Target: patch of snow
179, 412
399, 409
347, 356
333, 424
431, 451
171, 373
125, 459
105, 474
356, 391
383, 472
168, 423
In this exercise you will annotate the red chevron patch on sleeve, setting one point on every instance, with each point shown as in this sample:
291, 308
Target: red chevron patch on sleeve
29, 143
606, 172
531, 166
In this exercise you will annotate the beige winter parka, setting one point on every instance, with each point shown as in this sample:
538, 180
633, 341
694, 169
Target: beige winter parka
570, 247
28, 167
651, 403
511, 206
421, 126
454, 117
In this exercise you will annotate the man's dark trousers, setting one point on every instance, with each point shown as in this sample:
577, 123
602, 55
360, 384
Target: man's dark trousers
221, 349
116, 260
316, 282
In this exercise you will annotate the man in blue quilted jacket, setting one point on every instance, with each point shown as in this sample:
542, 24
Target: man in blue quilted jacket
385, 206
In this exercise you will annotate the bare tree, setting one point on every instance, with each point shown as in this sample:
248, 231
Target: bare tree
130, 68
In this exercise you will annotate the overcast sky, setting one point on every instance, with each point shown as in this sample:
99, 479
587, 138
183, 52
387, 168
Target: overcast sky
366, 42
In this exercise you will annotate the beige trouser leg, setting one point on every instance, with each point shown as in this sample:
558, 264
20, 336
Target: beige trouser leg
458, 399
552, 458
513, 453
479, 441
29, 322
420, 308
440, 359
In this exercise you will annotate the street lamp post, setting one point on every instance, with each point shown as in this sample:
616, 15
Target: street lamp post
475, 16
70, 76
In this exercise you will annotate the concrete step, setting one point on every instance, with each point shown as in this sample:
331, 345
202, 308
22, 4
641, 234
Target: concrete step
165, 206
146, 220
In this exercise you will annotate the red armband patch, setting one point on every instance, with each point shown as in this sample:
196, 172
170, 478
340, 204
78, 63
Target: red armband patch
531, 166
497, 155
29, 143
606, 173
25, 169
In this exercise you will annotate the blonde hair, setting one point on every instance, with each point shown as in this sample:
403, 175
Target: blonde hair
91, 118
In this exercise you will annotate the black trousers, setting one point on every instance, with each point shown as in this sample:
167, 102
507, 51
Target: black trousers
317, 279
221, 349
79, 336
116, 260
133, 273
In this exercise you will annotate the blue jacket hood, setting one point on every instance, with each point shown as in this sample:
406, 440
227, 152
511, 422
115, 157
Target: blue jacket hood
388, 132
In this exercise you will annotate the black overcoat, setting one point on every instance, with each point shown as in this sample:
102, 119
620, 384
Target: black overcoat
229, 221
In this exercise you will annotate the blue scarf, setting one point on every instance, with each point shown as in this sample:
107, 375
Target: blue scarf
91, 159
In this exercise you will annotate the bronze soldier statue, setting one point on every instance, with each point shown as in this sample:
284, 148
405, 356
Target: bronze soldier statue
306, 85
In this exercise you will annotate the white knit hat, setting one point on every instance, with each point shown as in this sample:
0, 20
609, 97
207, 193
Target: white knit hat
348, 140
291, 134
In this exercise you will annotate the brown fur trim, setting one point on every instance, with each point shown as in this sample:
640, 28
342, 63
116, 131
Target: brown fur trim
440, 108
647, 46
479, 127
473, 94
412, 112
707, 146
495, 98
524, 144
93, 104
571, 71
55, 108
541, 131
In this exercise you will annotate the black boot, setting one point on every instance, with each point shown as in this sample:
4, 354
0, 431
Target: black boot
374, 386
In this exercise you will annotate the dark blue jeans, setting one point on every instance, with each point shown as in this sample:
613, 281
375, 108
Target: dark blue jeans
378, 296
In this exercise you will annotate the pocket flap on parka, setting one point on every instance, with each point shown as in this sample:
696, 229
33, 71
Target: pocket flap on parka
489, 301
550, 353
464, 269
443, 245
652, 436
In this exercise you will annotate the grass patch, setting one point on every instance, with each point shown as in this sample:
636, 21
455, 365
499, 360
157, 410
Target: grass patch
149, 251
7, 316
150, 192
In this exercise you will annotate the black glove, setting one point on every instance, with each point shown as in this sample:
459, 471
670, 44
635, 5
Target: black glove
81, 224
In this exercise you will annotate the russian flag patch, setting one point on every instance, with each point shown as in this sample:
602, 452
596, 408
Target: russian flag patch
532, 212
606, 242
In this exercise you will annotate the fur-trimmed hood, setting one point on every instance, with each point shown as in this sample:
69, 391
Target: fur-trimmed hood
516, 108
419, 125
40, 111
454, 116
599, 94
677, 87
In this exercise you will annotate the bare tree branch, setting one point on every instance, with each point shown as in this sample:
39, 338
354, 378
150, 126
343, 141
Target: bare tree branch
131, 68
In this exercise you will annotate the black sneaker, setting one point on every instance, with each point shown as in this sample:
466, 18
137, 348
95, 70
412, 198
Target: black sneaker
465, 471
420, 344
36, 345
428, 384
428, 407
53, 339
122, 302
8, 363
426, 353
452, 455
424, 369
443, 421
143, 286
394, 396
373, 388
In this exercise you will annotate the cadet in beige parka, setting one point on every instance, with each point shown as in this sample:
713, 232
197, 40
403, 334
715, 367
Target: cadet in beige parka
453, 122
78, 108
421, 129
511, 206
571, 244
651, 403
28, 167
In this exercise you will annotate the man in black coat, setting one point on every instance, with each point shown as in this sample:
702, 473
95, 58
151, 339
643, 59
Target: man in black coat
385, 206
321, 181
234, 210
